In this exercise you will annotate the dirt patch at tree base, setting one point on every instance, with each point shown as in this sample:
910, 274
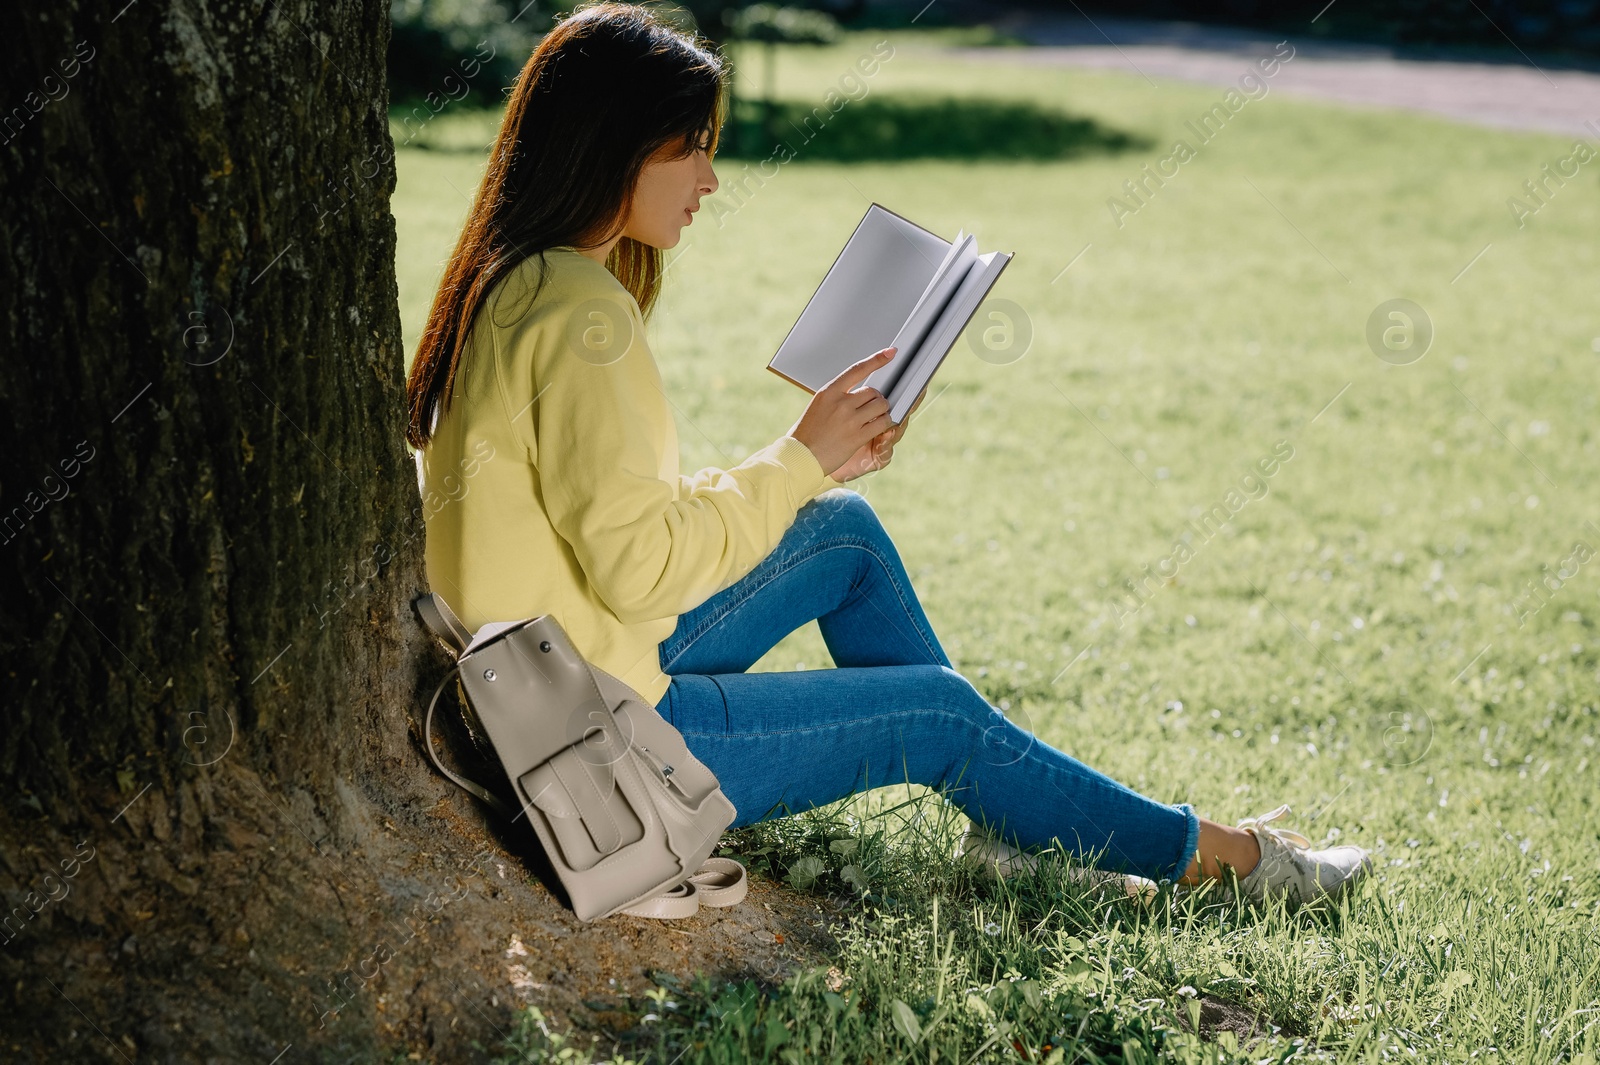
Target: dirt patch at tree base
524, 946
235, 918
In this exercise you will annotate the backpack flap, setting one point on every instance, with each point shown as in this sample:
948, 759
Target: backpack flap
533, 693
589, 814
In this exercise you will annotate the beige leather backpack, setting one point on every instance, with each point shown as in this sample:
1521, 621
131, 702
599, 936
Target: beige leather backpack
627, 816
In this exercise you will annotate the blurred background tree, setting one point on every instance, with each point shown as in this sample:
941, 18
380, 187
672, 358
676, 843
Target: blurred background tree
471, 50
771, 25
460, 49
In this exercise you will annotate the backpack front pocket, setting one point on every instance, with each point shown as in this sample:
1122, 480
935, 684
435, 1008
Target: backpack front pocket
590, 795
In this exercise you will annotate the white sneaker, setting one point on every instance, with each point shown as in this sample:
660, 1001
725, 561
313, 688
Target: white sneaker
977, 850
1290, 869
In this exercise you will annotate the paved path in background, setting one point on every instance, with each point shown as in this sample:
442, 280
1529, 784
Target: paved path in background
1512, 95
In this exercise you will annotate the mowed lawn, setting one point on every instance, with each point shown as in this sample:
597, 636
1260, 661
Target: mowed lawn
1360, 639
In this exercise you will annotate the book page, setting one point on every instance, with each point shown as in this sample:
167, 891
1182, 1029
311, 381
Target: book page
908, 340
963, 304
868, 293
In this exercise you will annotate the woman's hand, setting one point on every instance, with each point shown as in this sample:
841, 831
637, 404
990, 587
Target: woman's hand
838, 423
877, 452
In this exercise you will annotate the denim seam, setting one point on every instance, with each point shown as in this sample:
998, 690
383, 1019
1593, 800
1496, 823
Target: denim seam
727, 715
795, 560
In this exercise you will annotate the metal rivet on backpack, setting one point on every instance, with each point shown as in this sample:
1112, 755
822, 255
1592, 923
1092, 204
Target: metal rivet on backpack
544, 645
488, 674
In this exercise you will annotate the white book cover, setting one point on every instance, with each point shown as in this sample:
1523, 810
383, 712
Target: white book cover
897, 285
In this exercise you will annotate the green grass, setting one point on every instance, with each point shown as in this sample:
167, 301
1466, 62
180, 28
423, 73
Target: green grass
1349, 643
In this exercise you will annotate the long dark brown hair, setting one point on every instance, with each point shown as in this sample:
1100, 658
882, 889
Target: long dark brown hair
611, 85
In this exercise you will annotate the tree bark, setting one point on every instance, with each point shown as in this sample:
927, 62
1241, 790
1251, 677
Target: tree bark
209, 538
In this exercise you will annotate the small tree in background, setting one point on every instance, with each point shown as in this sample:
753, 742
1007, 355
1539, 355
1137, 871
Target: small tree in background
774, 24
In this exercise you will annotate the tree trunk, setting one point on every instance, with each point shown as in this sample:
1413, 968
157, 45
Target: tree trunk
209, 537
219, 839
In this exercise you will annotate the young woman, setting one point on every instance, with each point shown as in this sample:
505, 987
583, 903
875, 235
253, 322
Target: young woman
548, 461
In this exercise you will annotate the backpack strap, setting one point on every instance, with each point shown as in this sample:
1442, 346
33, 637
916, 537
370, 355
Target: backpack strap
494, 801
718, 882
721, 882
442, 621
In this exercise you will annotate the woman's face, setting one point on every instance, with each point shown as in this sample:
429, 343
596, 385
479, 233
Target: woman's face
668, 192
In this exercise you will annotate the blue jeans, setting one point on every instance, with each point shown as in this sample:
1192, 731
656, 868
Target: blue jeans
892, 712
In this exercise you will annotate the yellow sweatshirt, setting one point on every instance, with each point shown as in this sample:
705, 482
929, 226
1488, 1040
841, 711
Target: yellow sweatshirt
551, 484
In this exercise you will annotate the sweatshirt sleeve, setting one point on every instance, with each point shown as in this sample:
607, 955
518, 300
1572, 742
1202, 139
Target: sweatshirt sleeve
701, 479
600, 434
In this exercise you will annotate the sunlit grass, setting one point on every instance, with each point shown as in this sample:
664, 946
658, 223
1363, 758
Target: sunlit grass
1360, 641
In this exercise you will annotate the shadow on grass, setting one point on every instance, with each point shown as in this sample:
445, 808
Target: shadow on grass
893, 127
877, 128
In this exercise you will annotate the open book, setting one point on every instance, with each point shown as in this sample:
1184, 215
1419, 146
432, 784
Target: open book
895, 285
